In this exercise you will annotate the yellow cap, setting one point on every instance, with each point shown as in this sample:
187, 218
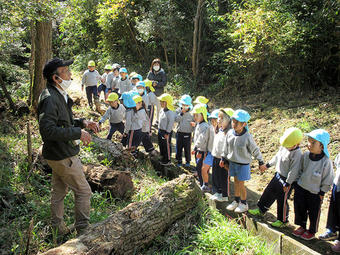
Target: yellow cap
201, 100
148, 84
201, 108
292, 136
91, 63
137, 99
112, 97
227, 111
168, 99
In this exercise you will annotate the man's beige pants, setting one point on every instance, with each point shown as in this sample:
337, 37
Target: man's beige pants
69, 173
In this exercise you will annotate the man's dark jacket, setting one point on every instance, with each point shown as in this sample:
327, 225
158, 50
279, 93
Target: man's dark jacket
57, 127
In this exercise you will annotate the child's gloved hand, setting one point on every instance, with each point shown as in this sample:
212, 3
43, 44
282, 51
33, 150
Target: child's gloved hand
221, 164
262, 168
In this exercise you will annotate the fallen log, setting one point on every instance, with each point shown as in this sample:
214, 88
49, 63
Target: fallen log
135, 226
102, 178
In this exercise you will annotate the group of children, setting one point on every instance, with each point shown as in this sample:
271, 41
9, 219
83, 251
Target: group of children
222, 141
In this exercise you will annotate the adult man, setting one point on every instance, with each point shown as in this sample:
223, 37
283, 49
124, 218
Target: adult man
60, 134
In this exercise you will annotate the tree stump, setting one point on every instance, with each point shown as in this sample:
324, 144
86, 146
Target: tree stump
102, 178
135, 226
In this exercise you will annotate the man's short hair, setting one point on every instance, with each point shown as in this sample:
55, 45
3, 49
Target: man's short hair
51, 66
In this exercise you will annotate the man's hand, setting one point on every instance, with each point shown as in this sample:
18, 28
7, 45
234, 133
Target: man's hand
91, 125
85, 137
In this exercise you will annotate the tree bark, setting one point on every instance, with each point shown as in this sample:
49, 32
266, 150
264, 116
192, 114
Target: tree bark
42, 53
136, 225
102, 178
196, 38
31, 61
7, 95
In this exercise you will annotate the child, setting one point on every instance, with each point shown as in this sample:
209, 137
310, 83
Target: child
184, 130
134, 124
90, 80
333, 219
208, 160
129, 104
124, 84
140, 87
115, 113
220, 178
153, 100
287, 163
102, 86
316, 177
200, 138
112, 79
238, 151
148, 146
135, 77
165, 126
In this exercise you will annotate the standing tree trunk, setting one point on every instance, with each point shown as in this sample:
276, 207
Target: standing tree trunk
196, 38
42, 53
31, 61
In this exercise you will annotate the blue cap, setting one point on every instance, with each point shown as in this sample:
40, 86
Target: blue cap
323, 137
214, 114
123, 70
127, 98
137, 76
241, 116
185, 99
140, 84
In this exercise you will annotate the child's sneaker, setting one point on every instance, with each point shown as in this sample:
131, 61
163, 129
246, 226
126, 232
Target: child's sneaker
205, 188
307, 236
232, 206
328, 235
256, 212
336, 246
179, 164
279, 224
299, 232
222, 199
187, 165
216, 196
241, 208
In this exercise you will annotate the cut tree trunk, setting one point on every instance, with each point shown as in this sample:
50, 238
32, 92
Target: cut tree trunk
102, 178
135, 226
117, 155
